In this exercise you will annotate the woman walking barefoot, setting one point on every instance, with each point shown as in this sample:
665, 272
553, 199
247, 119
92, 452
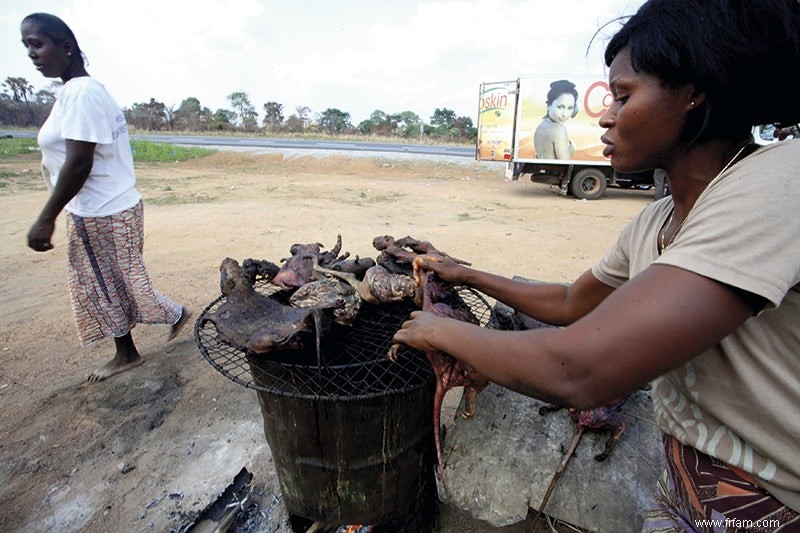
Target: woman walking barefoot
88, 165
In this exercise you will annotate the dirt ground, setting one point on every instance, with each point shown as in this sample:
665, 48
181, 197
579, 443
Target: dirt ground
148, 449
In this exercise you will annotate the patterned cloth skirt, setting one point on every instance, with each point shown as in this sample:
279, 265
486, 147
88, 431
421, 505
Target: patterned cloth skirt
701, 493
108, 282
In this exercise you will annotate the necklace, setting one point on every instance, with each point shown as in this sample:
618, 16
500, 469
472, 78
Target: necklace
663, 242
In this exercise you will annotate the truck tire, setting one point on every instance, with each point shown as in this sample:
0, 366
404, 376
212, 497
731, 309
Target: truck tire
588, 184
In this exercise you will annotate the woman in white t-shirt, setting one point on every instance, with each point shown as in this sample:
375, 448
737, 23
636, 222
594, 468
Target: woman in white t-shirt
88, 165
700, 295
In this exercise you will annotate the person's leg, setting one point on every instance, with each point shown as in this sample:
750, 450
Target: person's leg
125, 358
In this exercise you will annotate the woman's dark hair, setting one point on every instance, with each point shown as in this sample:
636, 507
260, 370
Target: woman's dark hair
742, 53
557, 88
57, 30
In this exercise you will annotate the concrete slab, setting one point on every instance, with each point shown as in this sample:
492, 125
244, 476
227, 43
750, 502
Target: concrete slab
500, 462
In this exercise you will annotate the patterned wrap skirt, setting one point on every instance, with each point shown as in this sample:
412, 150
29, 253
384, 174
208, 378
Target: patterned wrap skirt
108, 282
701, 493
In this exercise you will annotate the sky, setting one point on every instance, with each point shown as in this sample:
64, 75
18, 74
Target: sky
357, 56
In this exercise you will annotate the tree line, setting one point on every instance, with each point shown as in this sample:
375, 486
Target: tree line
23, 106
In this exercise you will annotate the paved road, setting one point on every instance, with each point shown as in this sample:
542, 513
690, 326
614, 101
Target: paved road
264, 142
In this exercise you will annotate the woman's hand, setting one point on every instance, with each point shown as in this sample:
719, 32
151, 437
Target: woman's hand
40, 235
418, 331
73, 174
445, 268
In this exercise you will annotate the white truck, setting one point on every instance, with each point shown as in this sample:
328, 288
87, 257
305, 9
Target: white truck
516, 117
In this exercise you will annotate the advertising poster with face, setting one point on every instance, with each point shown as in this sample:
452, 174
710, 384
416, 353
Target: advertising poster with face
498, 101
557, 119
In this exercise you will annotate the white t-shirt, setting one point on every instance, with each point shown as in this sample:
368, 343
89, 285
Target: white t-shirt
738, 401
85, 111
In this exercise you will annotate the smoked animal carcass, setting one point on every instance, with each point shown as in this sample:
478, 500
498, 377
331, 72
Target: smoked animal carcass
259, 324
250, 321
442, 299
379, 286
329, 294
397, 255
391, 279
297, 269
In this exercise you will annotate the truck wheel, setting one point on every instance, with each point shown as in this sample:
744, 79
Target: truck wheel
588, 184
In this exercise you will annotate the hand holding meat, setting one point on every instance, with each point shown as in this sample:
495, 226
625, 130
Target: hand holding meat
440, 301
418, 330
445, 267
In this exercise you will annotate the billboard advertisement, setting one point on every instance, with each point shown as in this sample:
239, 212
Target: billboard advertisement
496, 120
557, 119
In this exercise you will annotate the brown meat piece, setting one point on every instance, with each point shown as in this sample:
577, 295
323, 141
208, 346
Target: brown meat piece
253, 322
297, 270
423, 247
259, 269
397, 255
441, 299
331, 294
357, 266
604, 417
378, 286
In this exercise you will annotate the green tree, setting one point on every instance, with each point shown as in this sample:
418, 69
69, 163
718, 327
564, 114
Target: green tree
150, 116
224, 119
334, 121
244, 109
383, 123
191, 116
464, 128
409, 125
273, 115
378, 117
448, 126
365, 127
443, 118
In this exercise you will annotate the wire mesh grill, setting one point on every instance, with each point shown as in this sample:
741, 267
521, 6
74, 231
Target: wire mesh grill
353, 361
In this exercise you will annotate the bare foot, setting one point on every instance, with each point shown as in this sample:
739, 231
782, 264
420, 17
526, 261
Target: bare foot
113, 367
178, 326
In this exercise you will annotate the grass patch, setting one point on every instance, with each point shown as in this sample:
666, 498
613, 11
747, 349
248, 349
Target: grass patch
10, 147
146, 151
153, 152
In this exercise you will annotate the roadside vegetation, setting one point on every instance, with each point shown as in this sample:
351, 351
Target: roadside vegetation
143, 151
22, 106
10, 147
153, 152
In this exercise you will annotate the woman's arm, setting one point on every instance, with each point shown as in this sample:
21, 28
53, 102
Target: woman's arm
554, 303
73, 174
655, 322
